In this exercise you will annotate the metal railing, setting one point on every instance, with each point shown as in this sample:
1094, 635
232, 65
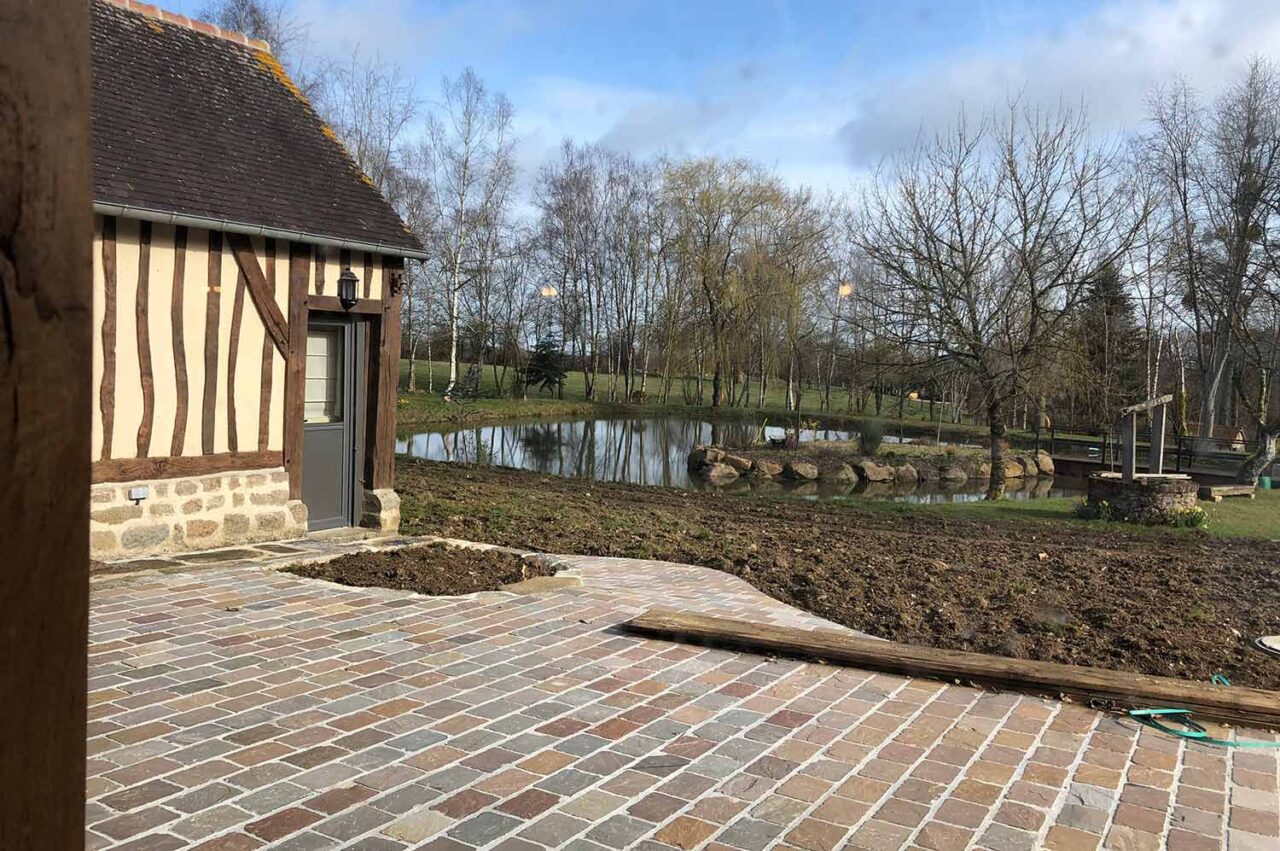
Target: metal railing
1182, 454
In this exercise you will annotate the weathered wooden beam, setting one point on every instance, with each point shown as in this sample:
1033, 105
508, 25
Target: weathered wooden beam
1121, 689
1155, 453
212, 312
167, 467
46, 410
177, 320
295, 361
331, 304
142, 323
107, 389
319, 253
1129, 446
263, 299
1147, 405
383, 390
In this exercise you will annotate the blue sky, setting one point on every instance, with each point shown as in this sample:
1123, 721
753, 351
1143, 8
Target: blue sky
820, 90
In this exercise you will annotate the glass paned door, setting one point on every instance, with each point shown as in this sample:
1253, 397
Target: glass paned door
325, 374
330, 456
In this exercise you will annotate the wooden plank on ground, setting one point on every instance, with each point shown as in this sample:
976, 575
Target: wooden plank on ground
1121, 689
1216, 493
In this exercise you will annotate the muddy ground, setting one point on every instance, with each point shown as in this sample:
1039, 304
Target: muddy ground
1172, 604
437, 570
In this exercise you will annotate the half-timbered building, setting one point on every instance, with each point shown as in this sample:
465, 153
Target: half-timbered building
246, 299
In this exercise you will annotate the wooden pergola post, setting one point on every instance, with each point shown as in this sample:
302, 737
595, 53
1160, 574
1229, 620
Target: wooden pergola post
1129, 446
1129, 437
45, 374
1155, 456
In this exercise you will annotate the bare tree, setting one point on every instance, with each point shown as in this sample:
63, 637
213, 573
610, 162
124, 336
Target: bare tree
370, 104
712, 201
1218, 167
986, 237
467, 160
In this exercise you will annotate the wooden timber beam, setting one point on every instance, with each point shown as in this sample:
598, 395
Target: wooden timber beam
1119, 689
1147, 405
46, 360
260, 291
295, 366
177, 467
331, 304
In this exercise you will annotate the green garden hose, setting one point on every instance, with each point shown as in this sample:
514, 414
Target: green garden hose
1190, 729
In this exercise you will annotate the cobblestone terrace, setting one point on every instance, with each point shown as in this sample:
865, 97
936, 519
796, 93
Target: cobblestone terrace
233, 707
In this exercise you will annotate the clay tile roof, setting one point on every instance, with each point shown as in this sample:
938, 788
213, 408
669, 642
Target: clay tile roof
203, 122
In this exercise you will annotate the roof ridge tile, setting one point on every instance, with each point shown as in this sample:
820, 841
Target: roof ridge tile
150, 10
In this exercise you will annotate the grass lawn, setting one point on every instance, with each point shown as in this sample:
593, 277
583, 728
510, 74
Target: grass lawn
1231, 518
423, 408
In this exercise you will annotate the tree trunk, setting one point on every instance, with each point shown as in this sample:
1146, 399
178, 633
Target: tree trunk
1209, 396
453, 342
995, 488
1260, 460
413, 362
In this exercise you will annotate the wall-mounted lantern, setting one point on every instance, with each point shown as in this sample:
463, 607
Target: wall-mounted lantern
347, 288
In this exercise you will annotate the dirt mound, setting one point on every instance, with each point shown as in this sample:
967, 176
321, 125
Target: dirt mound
1172, 604
436, 569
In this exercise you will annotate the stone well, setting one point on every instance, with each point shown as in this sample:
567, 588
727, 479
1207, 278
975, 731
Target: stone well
1149, 499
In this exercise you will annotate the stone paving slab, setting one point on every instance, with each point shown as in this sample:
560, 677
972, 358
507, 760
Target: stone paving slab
235, 707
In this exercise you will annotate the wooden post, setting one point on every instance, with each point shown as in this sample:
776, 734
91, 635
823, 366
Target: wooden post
46, 236
1155, 458
1129, 446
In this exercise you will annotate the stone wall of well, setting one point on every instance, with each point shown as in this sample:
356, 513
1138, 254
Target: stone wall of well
1153, 500
193, 513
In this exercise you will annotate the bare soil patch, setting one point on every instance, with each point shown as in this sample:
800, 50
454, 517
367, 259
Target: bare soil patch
1171, 604
435, 569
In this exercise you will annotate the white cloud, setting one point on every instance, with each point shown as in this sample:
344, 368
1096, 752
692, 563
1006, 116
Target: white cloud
830, 125
1109, 61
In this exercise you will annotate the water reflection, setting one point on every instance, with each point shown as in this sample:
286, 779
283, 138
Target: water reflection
652, 451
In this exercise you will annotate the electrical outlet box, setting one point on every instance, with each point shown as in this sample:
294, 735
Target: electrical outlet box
139, 493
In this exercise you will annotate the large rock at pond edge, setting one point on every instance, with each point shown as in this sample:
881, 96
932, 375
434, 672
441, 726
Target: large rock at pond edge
1029, 466
984, 470
701, 456
1013, 469
718, 474
1045, 462
800, 471
927, 472
766, 469
843, 474
953, 473
906, 473
737, 462
870, 471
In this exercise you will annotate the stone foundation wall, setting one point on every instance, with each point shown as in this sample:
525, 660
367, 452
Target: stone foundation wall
381, 510
195, 513
1151, 500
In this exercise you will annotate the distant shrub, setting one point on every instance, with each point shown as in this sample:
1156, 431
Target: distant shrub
870, 436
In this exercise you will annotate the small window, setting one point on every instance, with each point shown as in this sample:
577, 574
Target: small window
323, 402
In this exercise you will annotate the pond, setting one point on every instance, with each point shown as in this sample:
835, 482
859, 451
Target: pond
652, 451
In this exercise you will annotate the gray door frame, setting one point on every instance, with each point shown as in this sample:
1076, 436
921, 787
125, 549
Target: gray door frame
347, 434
